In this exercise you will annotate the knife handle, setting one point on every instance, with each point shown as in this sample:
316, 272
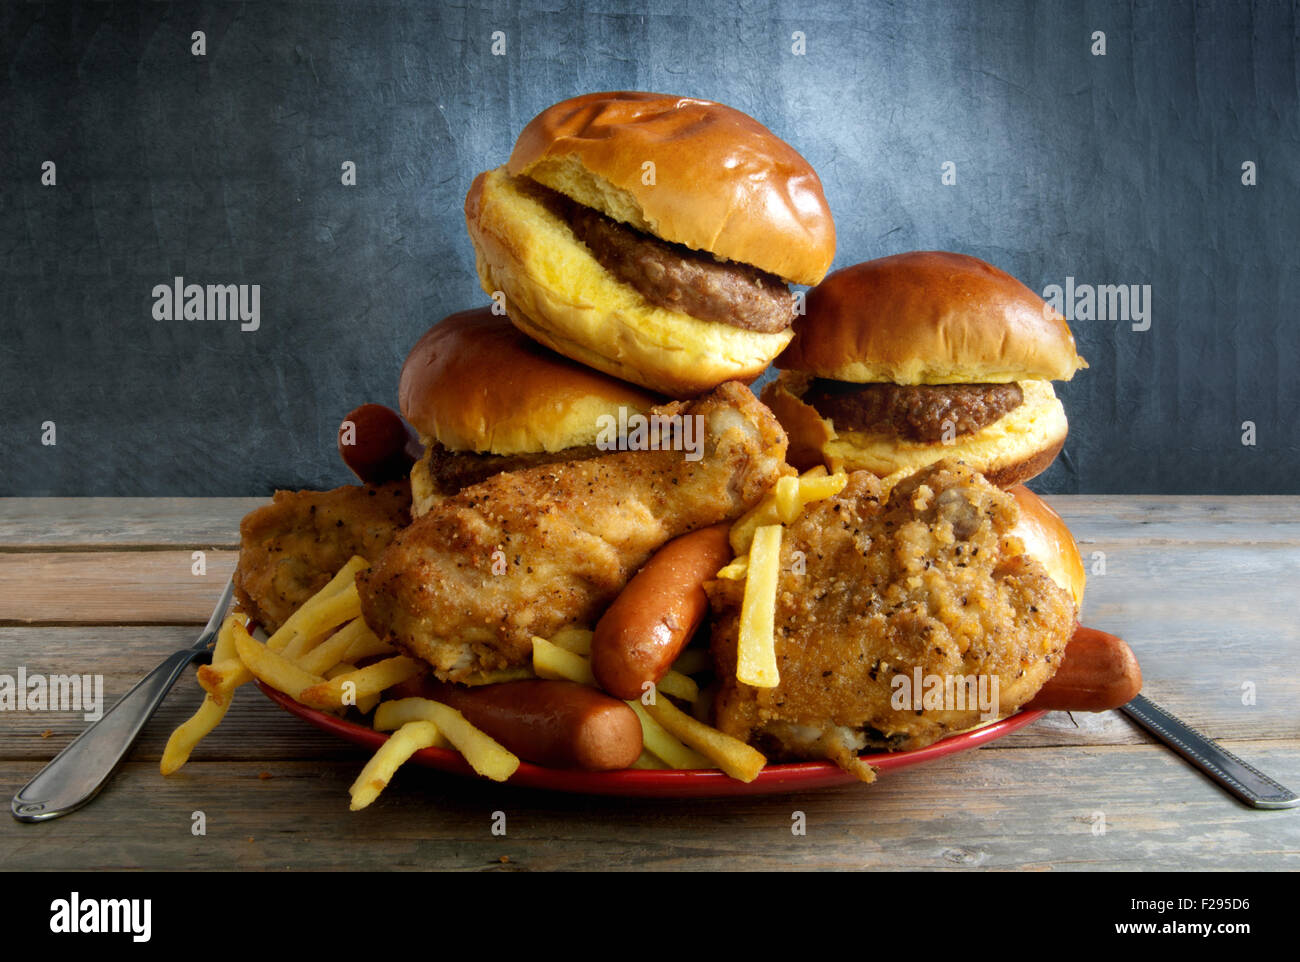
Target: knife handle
1242, 779
77, 773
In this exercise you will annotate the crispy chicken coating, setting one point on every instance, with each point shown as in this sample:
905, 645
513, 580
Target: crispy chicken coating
290, 548
527, 552
926, 596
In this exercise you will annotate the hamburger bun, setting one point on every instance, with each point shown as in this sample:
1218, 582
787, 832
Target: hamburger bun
935, 339
929, 317
474, 383
695, 186
723, 182
559, 294
1046, 537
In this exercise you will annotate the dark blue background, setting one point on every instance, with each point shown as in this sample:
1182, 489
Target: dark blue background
1123, 168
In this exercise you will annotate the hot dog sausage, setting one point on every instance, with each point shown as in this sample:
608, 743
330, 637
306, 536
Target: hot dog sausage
1099, 671
645, 629
377, 445
559, 724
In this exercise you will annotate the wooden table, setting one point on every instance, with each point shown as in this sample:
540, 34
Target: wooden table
1204, 588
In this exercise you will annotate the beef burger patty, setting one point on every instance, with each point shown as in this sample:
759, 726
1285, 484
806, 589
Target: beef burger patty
680, 279
915, 412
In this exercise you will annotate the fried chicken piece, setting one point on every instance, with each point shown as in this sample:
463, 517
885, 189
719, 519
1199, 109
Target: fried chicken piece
931, 580
528, 552
290, 548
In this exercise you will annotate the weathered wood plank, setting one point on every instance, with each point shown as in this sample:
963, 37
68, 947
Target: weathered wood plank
69, 523
122, 522
1031, 809
254, 727
126, 587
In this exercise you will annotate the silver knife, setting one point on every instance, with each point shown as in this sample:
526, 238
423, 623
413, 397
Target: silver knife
77, 773
1245, 781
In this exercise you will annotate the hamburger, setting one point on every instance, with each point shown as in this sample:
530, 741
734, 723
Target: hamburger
485, 399
652, 237
905, 360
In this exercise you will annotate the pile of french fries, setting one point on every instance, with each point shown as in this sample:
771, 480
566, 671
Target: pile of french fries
313, 659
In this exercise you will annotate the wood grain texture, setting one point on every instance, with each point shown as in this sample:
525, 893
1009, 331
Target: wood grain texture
1031, 809
131, 587
71, 523
1201, 587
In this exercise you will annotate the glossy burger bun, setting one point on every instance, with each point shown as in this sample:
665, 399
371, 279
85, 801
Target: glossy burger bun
475, 383
722, 183
1046, 537
929, 317
1013, 449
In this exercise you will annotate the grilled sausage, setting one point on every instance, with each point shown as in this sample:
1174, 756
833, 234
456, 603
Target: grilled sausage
376, 444
1099, 671
559, 724
645, 629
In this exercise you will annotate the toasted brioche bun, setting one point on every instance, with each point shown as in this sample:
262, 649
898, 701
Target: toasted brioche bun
929, 317
722, 182
1048, 539
1014, 448
475, 383
559, 294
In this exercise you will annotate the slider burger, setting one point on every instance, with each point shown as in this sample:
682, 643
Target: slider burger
652, 237
908, 359
486, 399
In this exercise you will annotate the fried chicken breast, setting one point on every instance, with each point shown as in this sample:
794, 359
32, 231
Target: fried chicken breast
868, 594
290, 548
527, 552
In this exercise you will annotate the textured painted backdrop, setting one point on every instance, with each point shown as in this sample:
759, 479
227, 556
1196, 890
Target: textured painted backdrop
225, 168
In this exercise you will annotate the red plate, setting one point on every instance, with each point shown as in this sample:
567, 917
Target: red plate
658, 783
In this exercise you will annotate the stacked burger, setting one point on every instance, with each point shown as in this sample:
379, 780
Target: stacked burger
639, 251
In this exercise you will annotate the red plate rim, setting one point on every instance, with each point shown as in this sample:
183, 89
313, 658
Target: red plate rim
788, 777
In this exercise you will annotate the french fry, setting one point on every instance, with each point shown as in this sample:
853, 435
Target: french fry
272, 667
733, 756
818, 489
742, 532
737, 570
656, 740
182, 741
367, 645
484, 754
552, 661
364, 702
221, 678
332, 651
785, 494
190, 732
647, 760
300, 645
317, 616
391, 715
679, 686
756, 641
818, 471
379, 771
296, 623
692, 661
574, 639
350, 688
